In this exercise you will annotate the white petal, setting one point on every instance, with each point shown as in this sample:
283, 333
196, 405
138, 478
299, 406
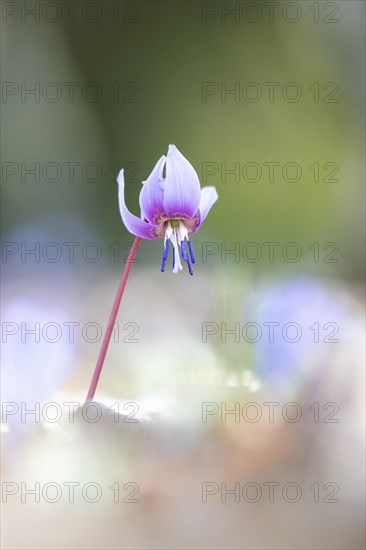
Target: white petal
208, 197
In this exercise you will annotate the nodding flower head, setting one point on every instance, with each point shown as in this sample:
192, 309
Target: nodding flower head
172, 207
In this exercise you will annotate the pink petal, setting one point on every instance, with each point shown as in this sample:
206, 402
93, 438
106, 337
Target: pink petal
152, 193
208, 197
182, 186
135, 225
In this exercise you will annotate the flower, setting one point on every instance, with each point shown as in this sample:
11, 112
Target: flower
172, 207
298, 320
35, 361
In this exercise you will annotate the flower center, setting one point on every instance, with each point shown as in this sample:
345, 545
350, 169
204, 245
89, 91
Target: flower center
177, 233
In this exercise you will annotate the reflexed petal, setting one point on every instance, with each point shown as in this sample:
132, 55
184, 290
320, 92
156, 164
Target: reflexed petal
152, 193
135, 225
208, 197
182, 187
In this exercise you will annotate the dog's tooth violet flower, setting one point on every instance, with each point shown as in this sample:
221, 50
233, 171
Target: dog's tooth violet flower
172, 207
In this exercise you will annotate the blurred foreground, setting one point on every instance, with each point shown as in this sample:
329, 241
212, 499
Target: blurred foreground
196, 444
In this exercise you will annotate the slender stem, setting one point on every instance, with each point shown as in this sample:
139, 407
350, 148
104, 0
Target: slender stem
112, 319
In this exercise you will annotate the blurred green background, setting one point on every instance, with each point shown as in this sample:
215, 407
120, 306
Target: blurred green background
159, 55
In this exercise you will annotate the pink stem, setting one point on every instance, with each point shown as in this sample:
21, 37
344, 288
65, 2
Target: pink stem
112, 319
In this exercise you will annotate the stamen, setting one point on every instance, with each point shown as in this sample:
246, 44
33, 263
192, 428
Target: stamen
177, 264
189, 266
183, 231
191, 252
165, 255
185, 256
168, 231
173, 258
184, 250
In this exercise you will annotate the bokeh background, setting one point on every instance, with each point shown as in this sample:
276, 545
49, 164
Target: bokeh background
114, 83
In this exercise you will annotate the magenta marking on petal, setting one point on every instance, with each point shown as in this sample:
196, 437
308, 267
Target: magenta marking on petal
193, 224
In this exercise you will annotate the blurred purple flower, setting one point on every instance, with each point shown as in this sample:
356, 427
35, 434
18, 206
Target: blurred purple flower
173, 207
307, 318
35, 362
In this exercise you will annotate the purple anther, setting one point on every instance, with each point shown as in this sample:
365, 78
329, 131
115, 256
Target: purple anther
189, 266
165, 255
184, 250
191, 252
